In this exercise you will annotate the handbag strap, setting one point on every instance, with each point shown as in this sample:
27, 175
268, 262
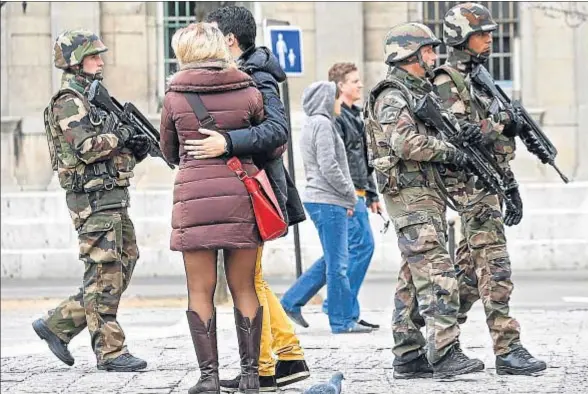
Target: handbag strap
206, 120
235, 164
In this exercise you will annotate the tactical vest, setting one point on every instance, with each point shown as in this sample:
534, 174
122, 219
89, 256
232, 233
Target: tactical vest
392, 173
476, 110
74, 175
473, 110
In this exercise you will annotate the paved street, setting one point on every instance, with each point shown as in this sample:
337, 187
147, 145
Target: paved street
552, 308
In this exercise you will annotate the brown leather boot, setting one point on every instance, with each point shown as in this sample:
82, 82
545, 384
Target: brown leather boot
249, 337
204, 340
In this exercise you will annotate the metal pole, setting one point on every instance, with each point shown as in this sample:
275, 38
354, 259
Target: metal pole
292, 172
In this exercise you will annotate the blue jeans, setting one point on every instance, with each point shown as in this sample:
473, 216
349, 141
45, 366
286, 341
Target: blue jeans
331, 223
361, 249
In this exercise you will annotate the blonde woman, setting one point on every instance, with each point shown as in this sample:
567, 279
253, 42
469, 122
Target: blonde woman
212, 209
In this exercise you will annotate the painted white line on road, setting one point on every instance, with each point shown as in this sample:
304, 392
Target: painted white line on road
581, 300
133, 332
143, 333
25, 349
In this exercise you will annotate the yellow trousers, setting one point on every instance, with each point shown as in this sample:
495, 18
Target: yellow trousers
277, 333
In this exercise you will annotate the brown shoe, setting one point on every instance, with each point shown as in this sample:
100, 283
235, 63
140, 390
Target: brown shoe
204, 340
249, 338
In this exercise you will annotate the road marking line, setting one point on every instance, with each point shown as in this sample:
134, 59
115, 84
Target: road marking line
582, 300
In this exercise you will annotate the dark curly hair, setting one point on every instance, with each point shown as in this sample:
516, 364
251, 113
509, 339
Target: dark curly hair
237, 20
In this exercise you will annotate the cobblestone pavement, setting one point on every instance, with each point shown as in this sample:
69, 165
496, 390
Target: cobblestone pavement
161, 336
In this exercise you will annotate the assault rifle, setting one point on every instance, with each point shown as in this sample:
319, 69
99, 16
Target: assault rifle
530, 133
481, 162
127, 114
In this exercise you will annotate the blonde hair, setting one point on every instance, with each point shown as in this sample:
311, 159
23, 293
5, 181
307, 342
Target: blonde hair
200, 42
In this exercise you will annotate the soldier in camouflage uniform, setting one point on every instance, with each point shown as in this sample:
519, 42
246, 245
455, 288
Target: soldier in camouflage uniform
94, 167
405, 154
482, 256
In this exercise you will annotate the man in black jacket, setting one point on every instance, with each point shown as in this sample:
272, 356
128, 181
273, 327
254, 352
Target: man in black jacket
239, 28
350, 127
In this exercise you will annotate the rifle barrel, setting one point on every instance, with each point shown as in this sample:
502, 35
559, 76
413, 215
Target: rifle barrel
117, 103
562, 176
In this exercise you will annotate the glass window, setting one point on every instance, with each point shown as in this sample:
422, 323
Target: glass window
177, 14
505, 13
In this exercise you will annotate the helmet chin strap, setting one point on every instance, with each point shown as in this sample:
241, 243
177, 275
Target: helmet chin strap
91, 77
429, 72
98, 77
479, 58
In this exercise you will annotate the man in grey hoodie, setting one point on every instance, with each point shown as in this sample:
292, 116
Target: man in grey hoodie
329, 198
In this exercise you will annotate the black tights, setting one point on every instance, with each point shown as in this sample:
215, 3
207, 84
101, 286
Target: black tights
200, 268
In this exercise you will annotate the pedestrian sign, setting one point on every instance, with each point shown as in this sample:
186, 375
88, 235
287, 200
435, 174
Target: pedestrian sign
286, 44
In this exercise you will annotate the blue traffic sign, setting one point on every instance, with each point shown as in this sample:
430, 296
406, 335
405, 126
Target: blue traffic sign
286, 43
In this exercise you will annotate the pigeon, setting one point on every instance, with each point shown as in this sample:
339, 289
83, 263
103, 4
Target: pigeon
332, 387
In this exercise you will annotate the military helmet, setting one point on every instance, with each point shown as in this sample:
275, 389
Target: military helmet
462, 20
72, 46
404, 40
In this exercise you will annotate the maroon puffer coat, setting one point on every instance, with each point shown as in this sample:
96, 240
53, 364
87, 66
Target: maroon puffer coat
212, 209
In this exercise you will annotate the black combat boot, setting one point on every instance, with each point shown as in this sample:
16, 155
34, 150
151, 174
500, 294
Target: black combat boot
205, 345
249, 338
456, 363
56, 345
415, 369
518, 362
124, 363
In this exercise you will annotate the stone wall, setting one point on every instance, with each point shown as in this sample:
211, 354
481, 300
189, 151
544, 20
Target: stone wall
26, 58
38, 239
378, 18
130, 70
303, 15
553, 61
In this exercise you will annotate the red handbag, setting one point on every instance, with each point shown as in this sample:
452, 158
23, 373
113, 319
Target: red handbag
268, 215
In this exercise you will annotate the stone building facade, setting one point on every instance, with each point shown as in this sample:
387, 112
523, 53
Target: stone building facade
541, 51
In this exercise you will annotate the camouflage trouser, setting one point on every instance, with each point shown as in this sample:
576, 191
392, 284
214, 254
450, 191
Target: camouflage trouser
426, 279
483, 261
109, 250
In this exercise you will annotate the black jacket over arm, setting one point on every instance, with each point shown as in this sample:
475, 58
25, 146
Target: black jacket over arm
261, 140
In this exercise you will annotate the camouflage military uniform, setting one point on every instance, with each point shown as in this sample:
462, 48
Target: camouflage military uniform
94, 168
401, 149
482, 255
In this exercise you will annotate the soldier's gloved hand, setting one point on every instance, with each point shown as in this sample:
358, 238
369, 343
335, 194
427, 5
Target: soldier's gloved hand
139, 144
471, 133
506, 117
511, 217
514, 124
459, 159
124, 133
